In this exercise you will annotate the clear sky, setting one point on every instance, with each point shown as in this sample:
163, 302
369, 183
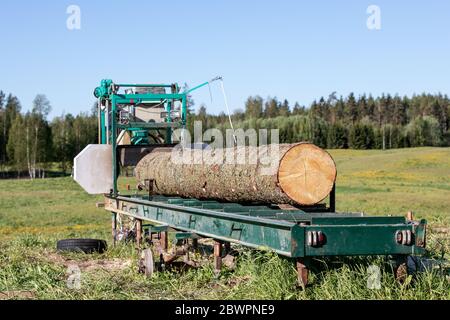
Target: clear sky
299, 50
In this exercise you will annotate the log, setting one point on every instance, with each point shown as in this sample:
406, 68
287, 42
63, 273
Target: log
301, 174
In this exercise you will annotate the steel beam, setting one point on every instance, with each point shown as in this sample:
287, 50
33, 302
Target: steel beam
293, 237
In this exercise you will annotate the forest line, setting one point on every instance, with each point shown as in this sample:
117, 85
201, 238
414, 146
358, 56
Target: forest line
32, 143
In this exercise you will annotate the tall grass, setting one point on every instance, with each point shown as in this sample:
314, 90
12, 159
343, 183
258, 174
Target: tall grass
25, 266
35, 214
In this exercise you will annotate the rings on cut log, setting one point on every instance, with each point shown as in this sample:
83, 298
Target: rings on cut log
296, 174
307, 174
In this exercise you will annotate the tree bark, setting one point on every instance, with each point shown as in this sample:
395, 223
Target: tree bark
301, 174
28, 153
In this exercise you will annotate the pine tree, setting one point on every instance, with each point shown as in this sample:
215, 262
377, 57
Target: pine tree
371, 106
254, 107
314, 110
11, 111
399, 107
362, 107
16, 146
60, 140
351, 108
271, 108
238, 115
284, 109
340, 109
337, 137
435, 110
298, 110
389, 109
381, 110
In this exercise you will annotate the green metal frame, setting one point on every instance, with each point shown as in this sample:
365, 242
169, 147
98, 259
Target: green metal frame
287, 232
108, 92
283, 231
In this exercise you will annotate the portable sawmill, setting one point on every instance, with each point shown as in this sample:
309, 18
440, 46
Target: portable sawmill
285, 212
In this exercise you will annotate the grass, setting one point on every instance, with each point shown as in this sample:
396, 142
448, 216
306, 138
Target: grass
35, 214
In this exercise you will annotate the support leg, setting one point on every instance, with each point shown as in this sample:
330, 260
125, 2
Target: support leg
164, 241
227, 247
302, 273
114, 227
401, 268
217, 256
333, 199
138, 233
195, 244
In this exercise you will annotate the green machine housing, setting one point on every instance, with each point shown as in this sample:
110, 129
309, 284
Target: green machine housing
300, 234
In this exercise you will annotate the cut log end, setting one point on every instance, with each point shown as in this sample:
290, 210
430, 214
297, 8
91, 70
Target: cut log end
307, 174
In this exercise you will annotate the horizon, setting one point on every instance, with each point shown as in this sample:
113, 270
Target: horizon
239, 108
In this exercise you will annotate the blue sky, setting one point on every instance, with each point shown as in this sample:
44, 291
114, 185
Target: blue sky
299, 50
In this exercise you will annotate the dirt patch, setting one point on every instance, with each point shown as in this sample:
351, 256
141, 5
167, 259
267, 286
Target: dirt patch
234, 281
108, 265
6, 295
115, 264
441, 230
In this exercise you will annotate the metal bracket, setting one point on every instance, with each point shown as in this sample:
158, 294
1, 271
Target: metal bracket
149, 184
183, 236
236, 231
420, 233
332, 207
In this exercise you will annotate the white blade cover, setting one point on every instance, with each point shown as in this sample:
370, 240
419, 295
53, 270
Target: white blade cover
93, 169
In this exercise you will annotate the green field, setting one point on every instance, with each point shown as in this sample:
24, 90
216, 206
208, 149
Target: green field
34, 214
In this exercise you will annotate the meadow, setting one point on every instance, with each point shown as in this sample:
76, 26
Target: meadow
35, 214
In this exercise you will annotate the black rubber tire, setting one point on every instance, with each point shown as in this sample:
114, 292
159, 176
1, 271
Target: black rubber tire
82, 245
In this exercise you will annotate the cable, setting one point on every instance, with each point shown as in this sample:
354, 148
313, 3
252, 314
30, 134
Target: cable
224, 97
210, 93
228, 109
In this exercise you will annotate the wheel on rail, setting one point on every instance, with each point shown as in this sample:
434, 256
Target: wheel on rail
146, 263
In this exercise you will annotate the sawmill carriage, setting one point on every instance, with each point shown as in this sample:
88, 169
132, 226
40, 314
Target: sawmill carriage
136, 126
